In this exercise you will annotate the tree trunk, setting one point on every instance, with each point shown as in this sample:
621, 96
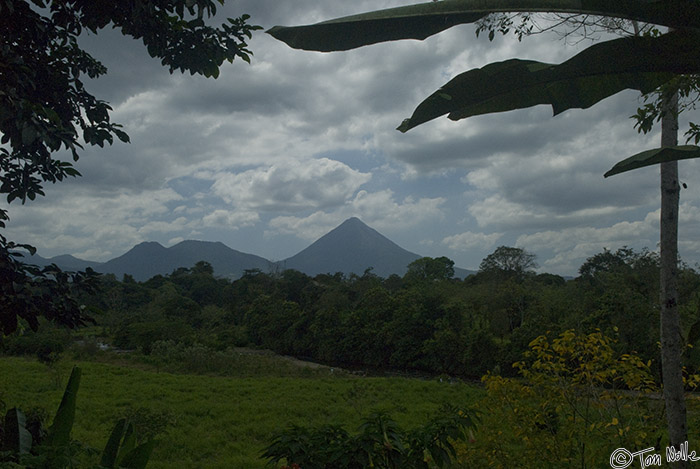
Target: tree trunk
671, 334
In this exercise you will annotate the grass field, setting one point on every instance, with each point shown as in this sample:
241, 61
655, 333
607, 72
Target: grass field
220, 422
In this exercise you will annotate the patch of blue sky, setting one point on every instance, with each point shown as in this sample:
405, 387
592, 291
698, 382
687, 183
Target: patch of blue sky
189, 186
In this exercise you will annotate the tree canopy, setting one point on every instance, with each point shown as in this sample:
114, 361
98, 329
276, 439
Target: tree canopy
45, 108
428, 268
508, 261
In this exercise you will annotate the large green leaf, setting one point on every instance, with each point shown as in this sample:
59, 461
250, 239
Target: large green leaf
138, 457
602, 70
656, 156
17, 438
422, 20
124, 453
111, 449
127, 445
59, 432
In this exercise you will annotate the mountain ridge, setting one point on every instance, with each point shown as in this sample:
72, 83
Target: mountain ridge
351, 247
363, 248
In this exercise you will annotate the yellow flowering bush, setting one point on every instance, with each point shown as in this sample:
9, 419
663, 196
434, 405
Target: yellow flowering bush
575, 402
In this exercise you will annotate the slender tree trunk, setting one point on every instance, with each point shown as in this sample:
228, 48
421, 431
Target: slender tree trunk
671, 335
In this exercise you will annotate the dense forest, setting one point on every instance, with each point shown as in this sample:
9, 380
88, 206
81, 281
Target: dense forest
425, 321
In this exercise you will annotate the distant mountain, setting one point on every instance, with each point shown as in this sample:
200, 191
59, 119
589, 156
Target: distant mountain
68, 262
143, 261
65, 262
148, 259
352, 247
226, 262
463, 273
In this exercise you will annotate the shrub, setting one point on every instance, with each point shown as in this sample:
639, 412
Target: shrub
379, 443
142, 335
577, 400
47, 344
85, 349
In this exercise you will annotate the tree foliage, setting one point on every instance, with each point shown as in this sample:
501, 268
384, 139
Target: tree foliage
45, 108
568, 390
427, 268
571, 406
30, 292
508, 261
380, 443
457, 327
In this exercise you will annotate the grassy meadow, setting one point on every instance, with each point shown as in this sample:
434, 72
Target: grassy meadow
219, 422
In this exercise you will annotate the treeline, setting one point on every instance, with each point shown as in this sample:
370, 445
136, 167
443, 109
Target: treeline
424, 321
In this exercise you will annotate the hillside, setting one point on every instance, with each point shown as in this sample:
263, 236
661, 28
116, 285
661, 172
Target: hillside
352, 247
147, 259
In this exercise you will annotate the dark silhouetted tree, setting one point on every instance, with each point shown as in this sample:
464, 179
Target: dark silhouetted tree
45, 108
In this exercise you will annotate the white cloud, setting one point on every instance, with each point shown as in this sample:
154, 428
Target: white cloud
95, 227
179, 224
377, 209
231, 220
174, 241
496, 211
291, 186
467, 241
309, 228
500, 213
572, 246
383, 212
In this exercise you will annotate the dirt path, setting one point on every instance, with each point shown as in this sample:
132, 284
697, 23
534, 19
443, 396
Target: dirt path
293, 360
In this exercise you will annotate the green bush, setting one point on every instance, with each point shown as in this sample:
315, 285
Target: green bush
379, 443
195, 358
576, 401
86, 348
176, 357
142, 335
47, 344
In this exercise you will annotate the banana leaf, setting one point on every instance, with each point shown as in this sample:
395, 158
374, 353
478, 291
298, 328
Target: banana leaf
121, 449
656, 156
422, 20
17, 438
59, 432
600, 71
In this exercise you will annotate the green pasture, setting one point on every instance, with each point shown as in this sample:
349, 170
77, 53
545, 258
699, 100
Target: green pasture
219, 422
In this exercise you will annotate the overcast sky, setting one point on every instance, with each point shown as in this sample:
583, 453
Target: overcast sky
270, 156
